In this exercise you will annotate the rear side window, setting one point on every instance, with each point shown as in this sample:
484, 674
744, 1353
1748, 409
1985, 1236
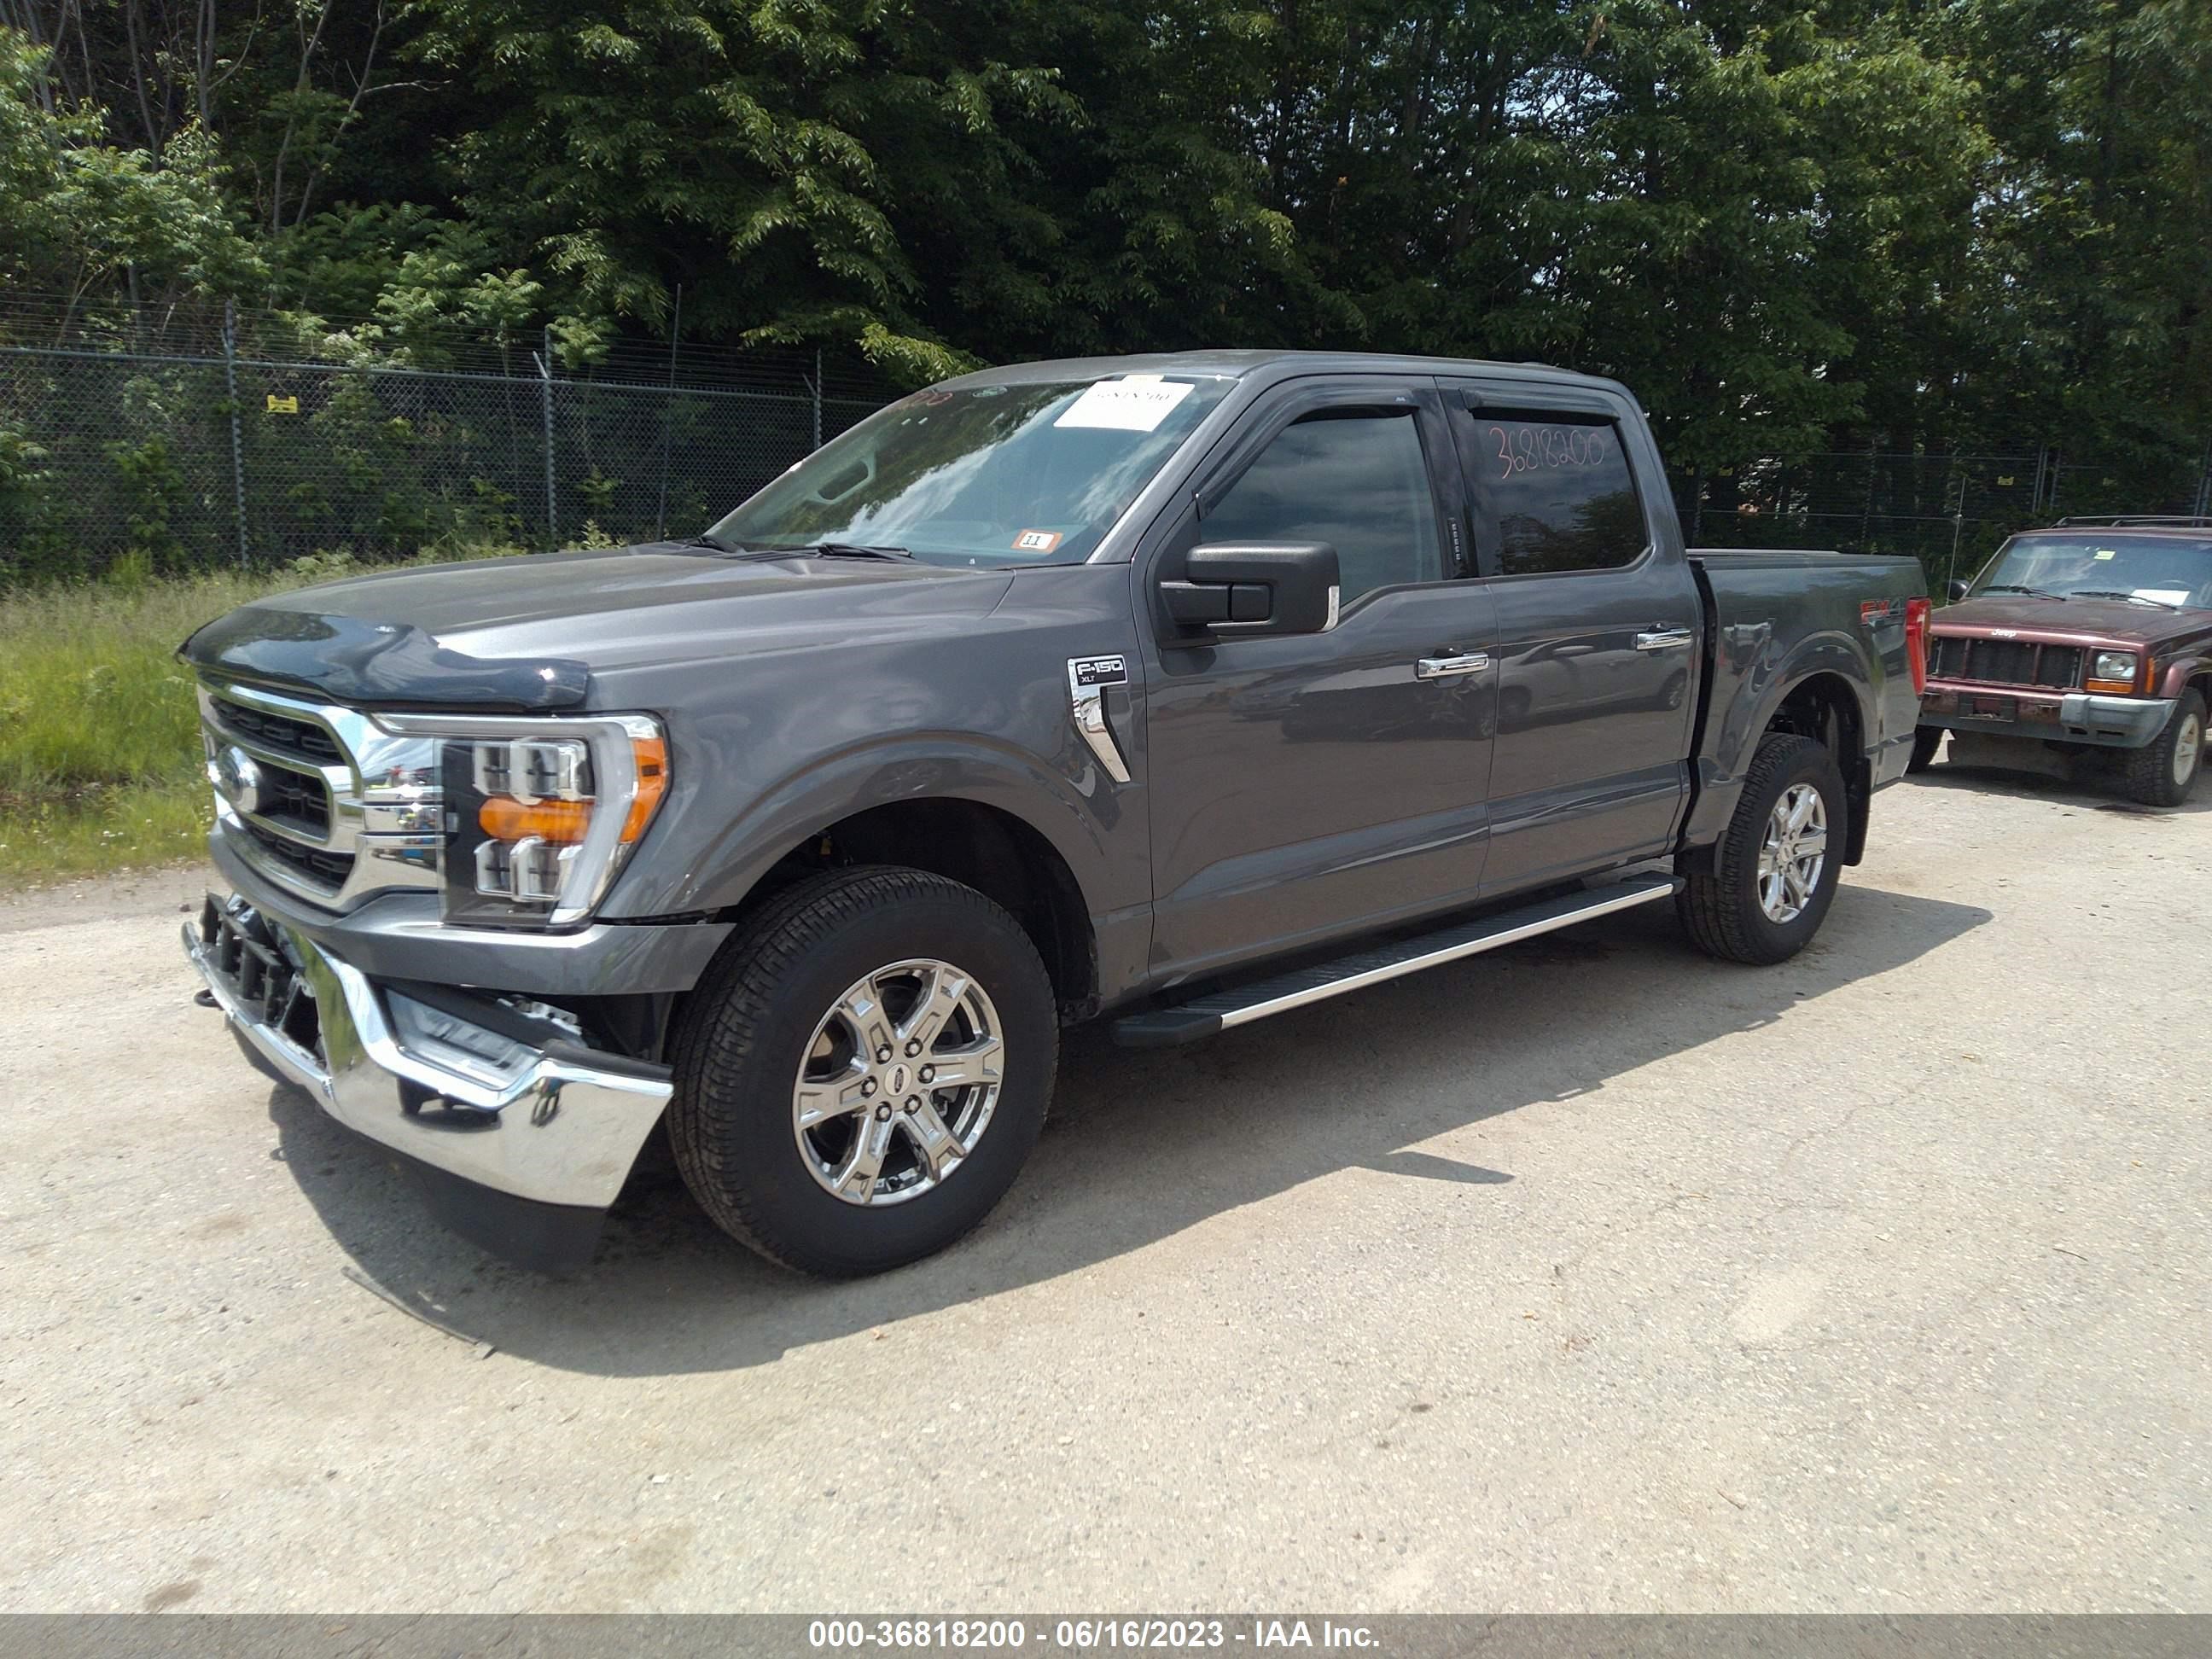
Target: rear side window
1356, 478
1558, 494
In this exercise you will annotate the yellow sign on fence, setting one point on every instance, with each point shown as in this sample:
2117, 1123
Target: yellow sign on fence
283, 405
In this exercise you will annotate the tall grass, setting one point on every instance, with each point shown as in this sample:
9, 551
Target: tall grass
100, 750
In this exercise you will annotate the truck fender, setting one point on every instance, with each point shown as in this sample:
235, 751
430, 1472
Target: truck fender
911, 767
1763, 684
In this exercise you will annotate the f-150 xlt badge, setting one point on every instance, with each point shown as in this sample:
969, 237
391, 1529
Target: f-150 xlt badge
1087, 678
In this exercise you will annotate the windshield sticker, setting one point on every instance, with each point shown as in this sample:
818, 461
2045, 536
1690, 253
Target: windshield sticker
1137, 402
1037, 541
2164, 595
2107, 553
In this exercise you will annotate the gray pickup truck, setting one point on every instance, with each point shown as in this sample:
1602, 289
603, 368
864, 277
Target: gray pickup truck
1180, 691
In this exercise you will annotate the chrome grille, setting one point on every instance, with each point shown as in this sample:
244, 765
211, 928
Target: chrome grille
298, 797
280, 731
327, 870
320, 798
2008, 662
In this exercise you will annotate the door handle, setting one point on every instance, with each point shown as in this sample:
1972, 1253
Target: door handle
1664, 639
1438, 668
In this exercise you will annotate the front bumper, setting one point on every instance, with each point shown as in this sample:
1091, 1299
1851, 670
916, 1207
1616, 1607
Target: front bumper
2078, 717
522, 1135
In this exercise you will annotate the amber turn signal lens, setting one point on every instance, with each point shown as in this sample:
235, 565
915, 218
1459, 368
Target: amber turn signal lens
2122, 687
504, 818
651, 757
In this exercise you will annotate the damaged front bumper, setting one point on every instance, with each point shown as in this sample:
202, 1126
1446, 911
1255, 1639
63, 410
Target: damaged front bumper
521, 1134
2069, 717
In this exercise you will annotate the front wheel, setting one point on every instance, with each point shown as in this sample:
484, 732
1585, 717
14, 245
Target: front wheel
862, 1074
2163, 772
1775, 872
1926, 740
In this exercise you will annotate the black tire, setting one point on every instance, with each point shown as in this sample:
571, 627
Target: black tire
1723, 911
1926, 740
2148, 773
739, 1048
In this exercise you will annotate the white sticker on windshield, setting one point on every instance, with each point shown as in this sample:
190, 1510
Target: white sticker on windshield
1137, 402
2106, 553
2164, 595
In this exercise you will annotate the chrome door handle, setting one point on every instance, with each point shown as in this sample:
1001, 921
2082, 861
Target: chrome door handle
1664, 639
1438, 668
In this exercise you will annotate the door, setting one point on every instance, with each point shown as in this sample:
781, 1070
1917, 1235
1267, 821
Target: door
1597, 628
1308, 786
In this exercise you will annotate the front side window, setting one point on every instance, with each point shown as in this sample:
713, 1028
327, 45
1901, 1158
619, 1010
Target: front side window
1356, 478
2175, 570
1025, 472
1558, 494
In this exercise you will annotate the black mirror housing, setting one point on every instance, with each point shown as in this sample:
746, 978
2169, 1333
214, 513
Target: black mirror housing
1957, 589
1231, 588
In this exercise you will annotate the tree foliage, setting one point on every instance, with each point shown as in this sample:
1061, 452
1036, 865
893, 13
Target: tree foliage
1827, 221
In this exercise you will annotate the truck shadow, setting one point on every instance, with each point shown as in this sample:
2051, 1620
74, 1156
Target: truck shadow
1141, 1145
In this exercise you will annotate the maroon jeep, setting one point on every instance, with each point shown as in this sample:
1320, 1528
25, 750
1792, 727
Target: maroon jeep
2092, 634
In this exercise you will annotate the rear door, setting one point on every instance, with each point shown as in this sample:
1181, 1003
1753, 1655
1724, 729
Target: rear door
1597, 627
1305, 787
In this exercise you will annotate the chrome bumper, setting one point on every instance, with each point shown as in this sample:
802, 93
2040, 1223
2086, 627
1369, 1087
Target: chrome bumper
558, 1124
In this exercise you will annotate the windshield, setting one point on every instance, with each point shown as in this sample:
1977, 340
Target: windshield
2171, 570
1030, 472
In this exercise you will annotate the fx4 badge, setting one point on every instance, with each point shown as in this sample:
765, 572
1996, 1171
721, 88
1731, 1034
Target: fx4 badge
1087, 678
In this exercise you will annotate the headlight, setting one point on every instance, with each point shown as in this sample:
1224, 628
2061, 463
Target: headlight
540, 814
2113, 665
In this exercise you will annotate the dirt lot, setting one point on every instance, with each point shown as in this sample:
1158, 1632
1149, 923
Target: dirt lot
1589, 1275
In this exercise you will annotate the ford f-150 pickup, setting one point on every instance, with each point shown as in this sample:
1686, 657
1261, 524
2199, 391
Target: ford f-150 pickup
1181, 691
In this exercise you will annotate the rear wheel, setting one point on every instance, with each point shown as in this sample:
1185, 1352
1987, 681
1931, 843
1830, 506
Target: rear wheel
862, 1077
1776, 869
2163, 772
1926, 740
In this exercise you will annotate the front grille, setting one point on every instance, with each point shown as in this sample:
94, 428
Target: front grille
274, 731
2008, 662
297, 799
327, 870
322, 801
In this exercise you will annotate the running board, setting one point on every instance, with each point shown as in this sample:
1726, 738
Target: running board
1201, 1017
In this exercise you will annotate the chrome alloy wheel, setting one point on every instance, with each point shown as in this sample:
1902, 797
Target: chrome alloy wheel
899, 1083
2188, 751
1792, 854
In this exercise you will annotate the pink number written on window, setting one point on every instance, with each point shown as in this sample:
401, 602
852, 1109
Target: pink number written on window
1523, 447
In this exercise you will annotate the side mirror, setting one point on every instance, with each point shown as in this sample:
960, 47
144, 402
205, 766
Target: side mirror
1957, 589
1231, 588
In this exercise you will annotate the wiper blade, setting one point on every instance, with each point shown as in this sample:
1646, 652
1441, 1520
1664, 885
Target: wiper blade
2014, 588
2121, 593
714, 542
853, 550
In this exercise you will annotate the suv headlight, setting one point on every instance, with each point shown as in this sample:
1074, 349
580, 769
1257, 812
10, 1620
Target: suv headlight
2113, 665
540, 814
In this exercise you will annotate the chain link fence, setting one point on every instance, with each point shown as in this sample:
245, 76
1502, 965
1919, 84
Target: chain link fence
185, 452
184, 442
1950, 512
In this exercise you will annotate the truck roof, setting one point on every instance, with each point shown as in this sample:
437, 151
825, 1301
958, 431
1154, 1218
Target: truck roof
1273, 365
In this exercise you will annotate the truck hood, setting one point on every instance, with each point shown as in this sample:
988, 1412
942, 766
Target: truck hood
2066, 622
529, 633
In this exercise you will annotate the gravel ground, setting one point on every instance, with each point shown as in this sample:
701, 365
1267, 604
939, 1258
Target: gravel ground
1589, 1275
